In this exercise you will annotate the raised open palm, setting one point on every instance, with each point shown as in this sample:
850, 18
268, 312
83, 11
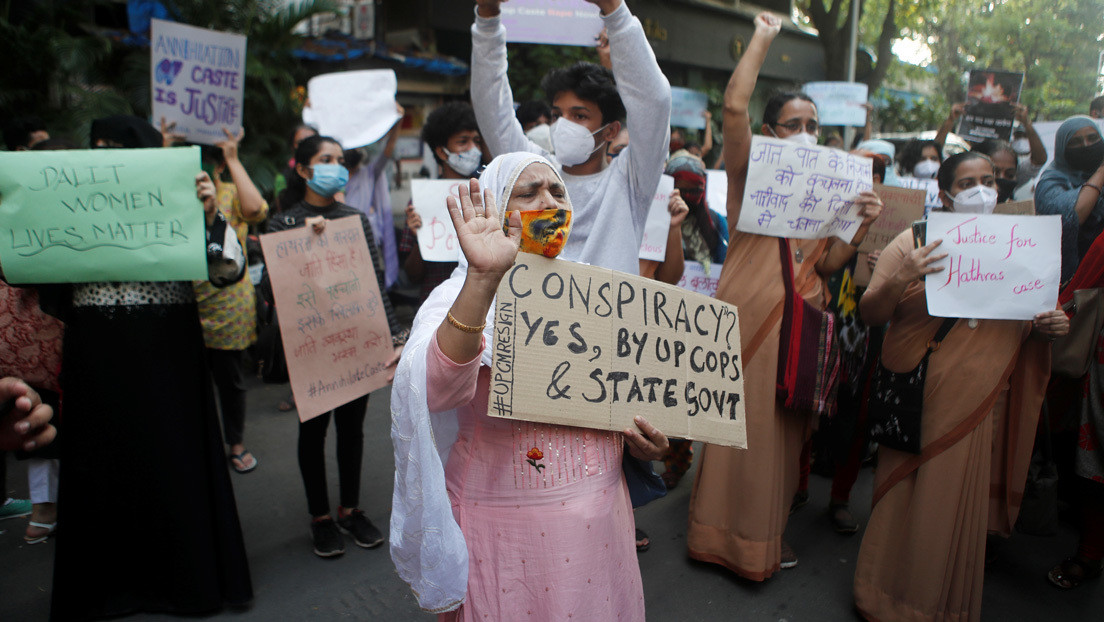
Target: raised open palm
488, 249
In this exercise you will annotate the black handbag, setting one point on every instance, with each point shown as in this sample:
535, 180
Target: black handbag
897, 399
644, 484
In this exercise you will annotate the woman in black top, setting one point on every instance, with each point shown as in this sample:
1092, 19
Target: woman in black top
321, 174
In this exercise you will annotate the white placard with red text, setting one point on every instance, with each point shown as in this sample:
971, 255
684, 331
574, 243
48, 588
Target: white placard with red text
437, 237
695, 279
998, 267
658, 224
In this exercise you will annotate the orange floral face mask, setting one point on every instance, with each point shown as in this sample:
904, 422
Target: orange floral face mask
544, 231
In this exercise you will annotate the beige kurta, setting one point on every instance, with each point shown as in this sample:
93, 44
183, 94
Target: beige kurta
741, 498
923, 553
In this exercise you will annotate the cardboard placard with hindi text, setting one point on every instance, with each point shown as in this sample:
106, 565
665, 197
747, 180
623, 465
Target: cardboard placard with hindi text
337, 340
803, 192
591, 347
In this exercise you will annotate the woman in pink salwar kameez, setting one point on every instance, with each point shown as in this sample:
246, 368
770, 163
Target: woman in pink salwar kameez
544, 517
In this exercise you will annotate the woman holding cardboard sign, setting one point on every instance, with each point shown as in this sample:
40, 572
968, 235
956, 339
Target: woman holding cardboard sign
742, 498
494, 516
923, 554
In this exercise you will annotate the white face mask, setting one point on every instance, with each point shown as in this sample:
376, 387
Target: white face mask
801, 138
925, 169
542, 135
977, 200
1021, 146
573, 143
466, 162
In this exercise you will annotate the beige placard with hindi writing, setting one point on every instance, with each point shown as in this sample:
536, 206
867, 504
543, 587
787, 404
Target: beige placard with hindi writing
336, 336
1016, 208
903, 206
591, 347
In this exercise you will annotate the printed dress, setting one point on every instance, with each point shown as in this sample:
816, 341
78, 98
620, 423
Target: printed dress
544, 510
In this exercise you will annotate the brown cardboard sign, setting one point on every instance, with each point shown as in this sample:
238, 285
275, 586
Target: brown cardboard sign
336, 337
592, 347
902, 207
1016, 208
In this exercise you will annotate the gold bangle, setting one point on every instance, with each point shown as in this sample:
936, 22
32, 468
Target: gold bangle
464, 327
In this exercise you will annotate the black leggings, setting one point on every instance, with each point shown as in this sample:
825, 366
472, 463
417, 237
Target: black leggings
349, 419
226, 370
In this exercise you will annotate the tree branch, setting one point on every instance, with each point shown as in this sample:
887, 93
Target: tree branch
885, 47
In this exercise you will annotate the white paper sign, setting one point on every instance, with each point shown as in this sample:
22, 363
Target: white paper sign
716, 191
998, 267
554, 22
929, 186
656, 227
695, 279
437, 237
687, 107
197, 80
794, 191
355, 107
839, 103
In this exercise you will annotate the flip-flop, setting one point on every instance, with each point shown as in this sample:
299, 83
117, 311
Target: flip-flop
241, 458
49, 527
641, 536
1072, 572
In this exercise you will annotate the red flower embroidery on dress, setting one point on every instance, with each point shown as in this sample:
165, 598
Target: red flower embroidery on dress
532, 457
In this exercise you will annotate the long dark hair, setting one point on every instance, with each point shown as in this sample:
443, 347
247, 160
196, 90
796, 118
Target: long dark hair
777, 101
296, 185
913, 152
947, 170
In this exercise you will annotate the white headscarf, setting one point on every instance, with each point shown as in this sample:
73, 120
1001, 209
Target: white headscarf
427, 546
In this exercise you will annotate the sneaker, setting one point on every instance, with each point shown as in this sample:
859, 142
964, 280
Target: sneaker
364, 533
800, 499
14, 508
327, 540
788, 558
842, 520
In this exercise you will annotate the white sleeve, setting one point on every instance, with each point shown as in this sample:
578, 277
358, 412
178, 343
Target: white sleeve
646, 94
490, 90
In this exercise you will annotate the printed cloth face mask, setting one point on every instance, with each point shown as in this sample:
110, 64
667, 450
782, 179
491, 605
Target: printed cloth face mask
573, 143
977, 200
543, 231
925, 169
466, 162
328, 179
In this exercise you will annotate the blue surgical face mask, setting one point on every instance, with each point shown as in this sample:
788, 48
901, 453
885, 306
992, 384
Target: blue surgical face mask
328, 179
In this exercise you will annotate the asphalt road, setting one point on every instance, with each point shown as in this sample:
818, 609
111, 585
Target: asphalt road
291, 583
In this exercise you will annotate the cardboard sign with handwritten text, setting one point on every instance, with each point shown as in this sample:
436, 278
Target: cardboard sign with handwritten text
794, 191
998, 267
591, 347
902, 207
1016, 208
101, 215
336, 337
930, 188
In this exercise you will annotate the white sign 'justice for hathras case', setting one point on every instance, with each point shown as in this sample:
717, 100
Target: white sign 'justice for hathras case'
591, 347
794, 191
997, 267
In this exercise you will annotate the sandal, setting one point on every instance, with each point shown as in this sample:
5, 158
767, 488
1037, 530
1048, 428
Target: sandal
241, 460
670, 479
788, 559
1072, 571
842, 520
286, 406
642, 541
40, 537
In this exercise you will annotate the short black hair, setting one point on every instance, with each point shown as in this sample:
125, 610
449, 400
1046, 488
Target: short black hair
589, 82
530, 111
17, 132
777, 101
994, 146
913, 151
947, 170
446, 121
1097, 104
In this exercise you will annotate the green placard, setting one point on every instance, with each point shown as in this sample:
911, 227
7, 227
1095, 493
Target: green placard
101, 215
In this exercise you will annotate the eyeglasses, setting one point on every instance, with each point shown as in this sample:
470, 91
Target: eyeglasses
796, 125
